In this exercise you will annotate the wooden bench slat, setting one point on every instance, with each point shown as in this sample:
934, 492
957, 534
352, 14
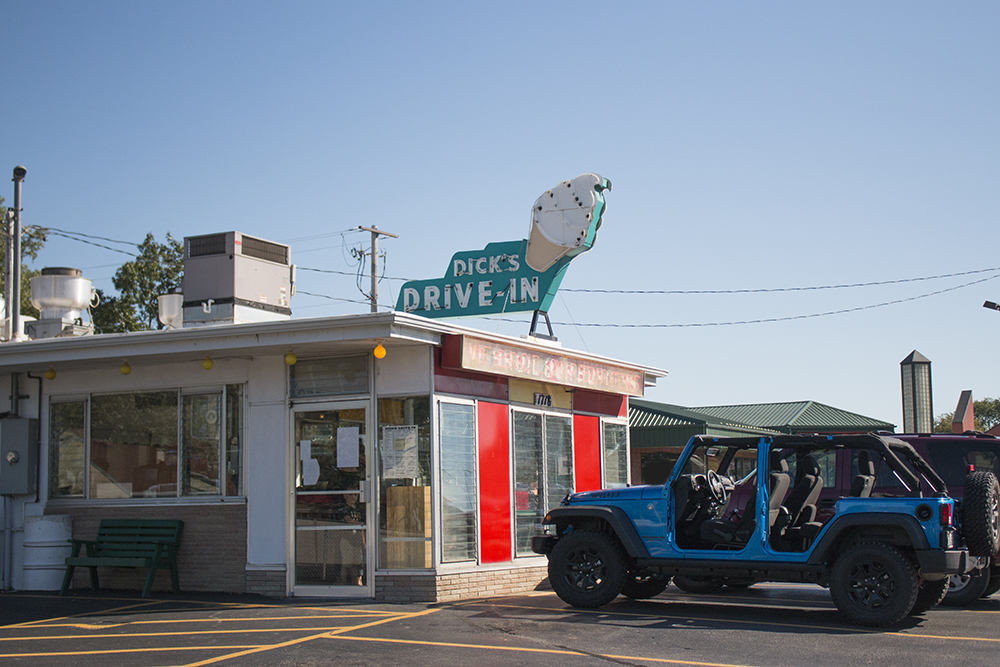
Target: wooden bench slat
149, 543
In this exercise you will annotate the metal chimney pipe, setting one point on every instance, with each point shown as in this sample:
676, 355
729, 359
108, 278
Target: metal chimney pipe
14, 306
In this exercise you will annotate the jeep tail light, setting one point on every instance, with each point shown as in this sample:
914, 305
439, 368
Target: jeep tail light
947, 511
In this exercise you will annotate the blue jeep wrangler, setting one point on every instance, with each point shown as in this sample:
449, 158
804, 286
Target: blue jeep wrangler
719, 521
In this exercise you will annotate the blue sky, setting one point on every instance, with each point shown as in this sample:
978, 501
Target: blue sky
750, 145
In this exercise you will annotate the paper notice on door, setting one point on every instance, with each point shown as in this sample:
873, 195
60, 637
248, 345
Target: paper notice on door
399, 452
310, 472
347, 447
305, 449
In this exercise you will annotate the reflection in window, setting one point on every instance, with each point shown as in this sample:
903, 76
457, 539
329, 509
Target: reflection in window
543, 471
129, 445
458, 482
201, 428
615, 455
67, 448
133, 445
404, 445
329, 377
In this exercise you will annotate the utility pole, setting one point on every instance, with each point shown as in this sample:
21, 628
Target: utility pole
376, 232
12, 285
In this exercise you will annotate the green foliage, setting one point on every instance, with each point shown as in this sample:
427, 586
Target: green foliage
986, 412
157, 269
32, 241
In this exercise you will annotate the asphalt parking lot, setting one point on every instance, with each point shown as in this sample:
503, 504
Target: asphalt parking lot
766, 625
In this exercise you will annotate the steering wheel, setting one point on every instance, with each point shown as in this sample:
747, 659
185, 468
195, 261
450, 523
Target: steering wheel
716, 488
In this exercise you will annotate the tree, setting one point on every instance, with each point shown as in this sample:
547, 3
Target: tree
32, 240
986, 411
155, 271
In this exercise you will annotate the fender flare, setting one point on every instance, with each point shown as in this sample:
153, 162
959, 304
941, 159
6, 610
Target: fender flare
615, 517
830, 539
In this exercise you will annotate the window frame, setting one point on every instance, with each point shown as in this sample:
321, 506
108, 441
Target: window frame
224, 393
543, 492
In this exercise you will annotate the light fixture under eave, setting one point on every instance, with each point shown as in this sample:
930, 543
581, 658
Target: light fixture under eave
290, 358
50, 374
379, 351
208, 364
125, 369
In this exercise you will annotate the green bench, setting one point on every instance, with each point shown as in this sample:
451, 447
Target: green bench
150, 543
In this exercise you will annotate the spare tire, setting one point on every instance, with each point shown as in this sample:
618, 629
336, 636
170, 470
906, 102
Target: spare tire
981, 514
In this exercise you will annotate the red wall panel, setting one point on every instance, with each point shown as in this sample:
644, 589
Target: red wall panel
493, 426
587, 452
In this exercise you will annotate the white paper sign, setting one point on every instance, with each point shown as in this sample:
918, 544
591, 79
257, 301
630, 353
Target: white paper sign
305, 449
347, 447
310, 472
399, 452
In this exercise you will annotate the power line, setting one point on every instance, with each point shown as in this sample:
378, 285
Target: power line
776, 319
98, 245
784, 289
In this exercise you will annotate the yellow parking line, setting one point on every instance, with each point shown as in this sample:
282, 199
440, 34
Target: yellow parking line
157, 649
522, 649
115, 610
207, 619
244, 631
302, 640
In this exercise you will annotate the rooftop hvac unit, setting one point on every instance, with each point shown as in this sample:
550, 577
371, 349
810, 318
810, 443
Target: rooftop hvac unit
231, 278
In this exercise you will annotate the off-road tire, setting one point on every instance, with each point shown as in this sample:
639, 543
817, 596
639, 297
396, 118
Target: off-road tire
981, 514
644, 586
698, 585
587, 568
874, 584
929, 596
966, 588
994, 582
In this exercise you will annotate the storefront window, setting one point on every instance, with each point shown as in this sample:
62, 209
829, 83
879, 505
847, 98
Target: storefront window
137, 445
201, 429
133, 445
543, 471
67, 451
404, 445
458, 482
615, 455
330, 377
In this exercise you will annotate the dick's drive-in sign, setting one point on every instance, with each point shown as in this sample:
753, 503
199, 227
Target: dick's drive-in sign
517, 276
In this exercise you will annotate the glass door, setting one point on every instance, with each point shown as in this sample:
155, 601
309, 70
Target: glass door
331, 501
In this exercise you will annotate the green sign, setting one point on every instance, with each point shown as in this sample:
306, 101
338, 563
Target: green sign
517, 276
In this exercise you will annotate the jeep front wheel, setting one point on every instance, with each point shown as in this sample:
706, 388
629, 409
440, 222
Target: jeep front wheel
587, 569
874, 584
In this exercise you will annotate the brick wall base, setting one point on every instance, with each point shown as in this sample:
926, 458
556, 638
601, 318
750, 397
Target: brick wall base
269, 583
212, 556
448, 587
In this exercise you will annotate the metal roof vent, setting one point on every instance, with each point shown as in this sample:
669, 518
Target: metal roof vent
60, 294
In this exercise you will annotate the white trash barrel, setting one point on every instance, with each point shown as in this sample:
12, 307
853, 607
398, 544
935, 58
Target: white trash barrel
46, 548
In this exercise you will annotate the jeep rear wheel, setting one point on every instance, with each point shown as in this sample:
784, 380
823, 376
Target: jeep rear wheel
966, 588
981, 514
644, 586
587, 569
698, 584
929, 596
874, 584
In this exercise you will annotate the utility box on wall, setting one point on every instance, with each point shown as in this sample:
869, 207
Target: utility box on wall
18, 456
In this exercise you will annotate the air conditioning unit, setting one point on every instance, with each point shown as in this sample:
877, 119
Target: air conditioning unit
232, 278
